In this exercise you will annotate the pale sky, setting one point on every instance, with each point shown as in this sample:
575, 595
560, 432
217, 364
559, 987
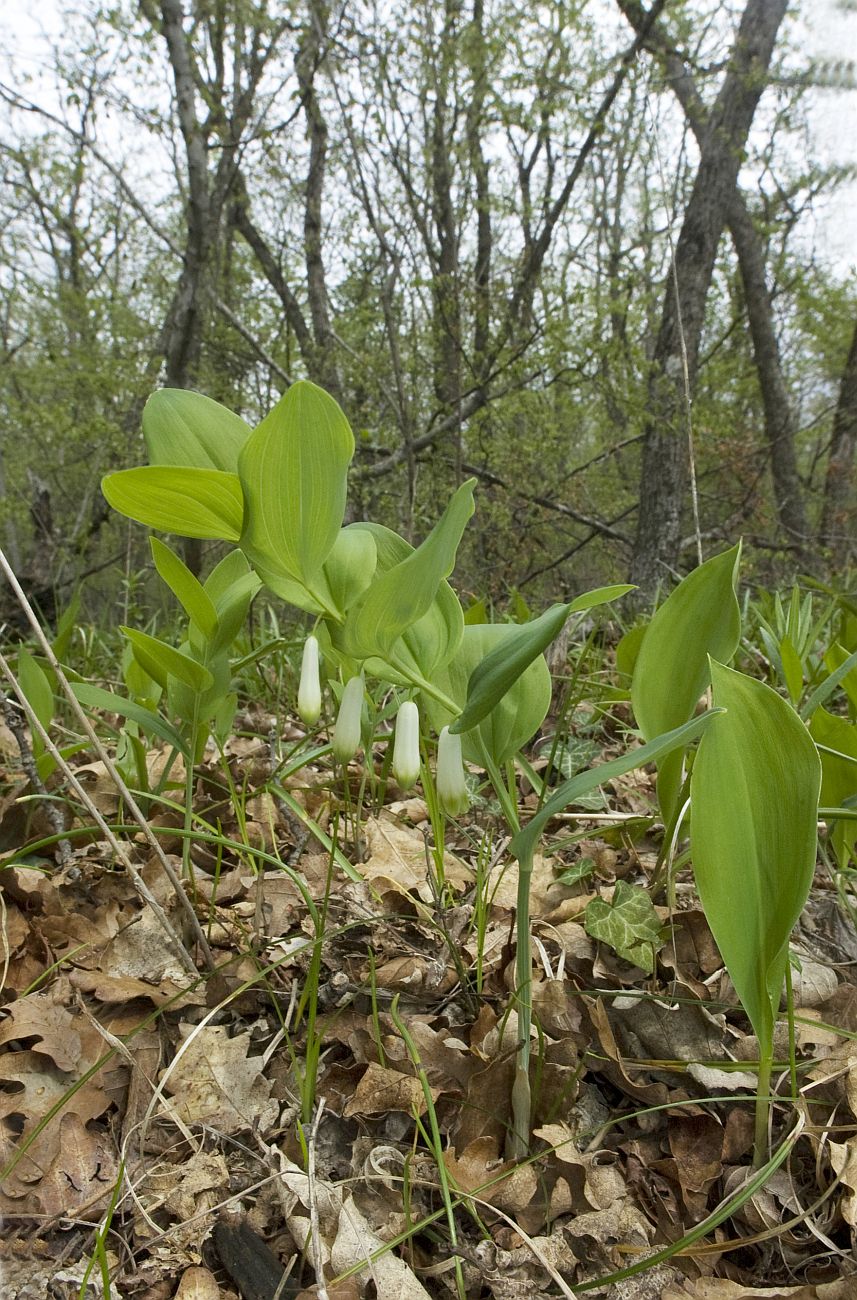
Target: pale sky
822, 30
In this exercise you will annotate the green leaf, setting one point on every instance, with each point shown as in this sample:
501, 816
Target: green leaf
838, 774
95, 697
186, 588
185, 428
351, 565
792, 669
293, 472
37, 689
498, 670
699, 618
754, 803
629, 925
843, 670
231, 586
432, 639
515, 718
399, 597
162, 661
204, 503
524, 843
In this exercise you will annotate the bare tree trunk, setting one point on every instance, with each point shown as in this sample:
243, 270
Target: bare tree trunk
839, 515
664, 472
779, 415
310, 55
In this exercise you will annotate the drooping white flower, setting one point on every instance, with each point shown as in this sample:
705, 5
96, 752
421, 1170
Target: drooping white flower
309, 688
450, 782
346, 733
406, 746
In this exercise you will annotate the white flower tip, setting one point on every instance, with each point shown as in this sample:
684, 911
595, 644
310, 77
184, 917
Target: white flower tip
309, 688
406, 746
450, 782
346, 733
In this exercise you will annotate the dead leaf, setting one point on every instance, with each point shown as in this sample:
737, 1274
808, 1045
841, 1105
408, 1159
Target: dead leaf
217, 1083
382, 1090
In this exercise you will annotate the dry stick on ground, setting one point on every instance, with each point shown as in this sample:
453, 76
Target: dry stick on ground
138, 881
12, 714
125, 793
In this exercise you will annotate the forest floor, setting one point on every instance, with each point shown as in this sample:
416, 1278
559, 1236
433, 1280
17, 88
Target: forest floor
261, 1126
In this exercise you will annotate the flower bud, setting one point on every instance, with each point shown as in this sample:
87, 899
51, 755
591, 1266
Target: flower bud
346, 733
450, 782
309, 689
406, 747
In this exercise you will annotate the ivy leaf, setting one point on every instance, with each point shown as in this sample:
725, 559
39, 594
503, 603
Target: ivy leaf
629, 925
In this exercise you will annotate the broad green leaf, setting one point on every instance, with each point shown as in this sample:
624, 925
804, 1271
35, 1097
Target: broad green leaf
754, 803
517, 715
397, 598
162, 661
186, 588
629, 648
350, 567
629, 925
524, 843
95, 697
293, 472
185, 428
838, 774
699, 618
498, 670
187, 502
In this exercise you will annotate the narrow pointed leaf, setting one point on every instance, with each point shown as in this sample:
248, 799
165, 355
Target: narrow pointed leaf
293, 471
402, 595
161, 660
186, 588
95, 697
185, 428
754, 803
495, 674
515, 717
846, 665
204, 503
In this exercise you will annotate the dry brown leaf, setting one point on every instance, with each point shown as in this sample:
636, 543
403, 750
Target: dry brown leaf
217, 1083
355, 1241
382, 1090
716, 1288
398, 860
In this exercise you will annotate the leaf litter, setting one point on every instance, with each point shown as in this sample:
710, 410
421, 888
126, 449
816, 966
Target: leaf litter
156, 1106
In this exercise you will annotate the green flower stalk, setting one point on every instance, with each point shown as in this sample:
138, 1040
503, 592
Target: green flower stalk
449, 779
406, 746
309, 688
346, 733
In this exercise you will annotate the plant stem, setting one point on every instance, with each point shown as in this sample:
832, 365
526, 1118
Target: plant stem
763, 1108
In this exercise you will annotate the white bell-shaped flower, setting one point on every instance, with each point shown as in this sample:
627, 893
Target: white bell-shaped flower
309, 688
346, 733
449, 779
406, 746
